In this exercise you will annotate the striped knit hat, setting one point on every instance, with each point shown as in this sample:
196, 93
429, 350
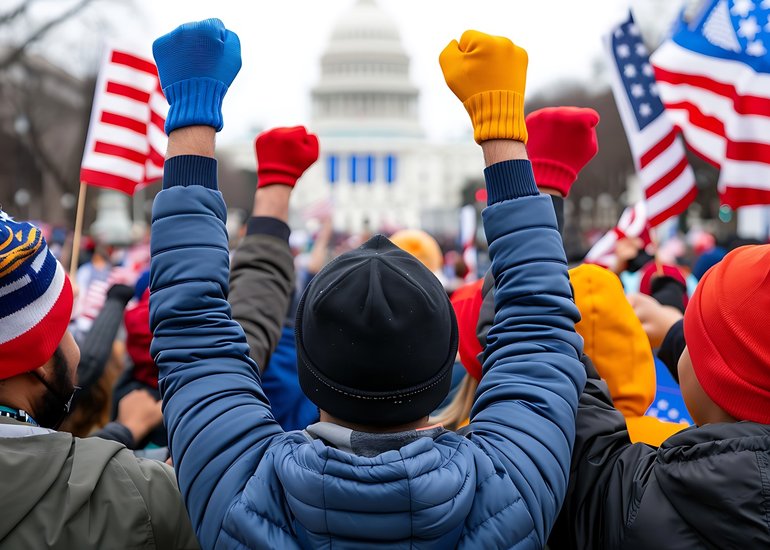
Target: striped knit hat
35, 299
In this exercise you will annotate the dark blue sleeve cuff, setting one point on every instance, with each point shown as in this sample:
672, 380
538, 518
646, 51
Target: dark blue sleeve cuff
186, 170
510, 179
262, 225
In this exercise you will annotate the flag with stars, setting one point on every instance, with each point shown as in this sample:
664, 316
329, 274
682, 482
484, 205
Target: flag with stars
714, 80
667, 178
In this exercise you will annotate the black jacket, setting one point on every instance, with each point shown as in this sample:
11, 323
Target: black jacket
706, 487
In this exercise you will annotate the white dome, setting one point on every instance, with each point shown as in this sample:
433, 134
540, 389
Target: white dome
365, 21
364, 87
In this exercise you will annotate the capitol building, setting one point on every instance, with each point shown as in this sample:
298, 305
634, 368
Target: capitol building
376, 169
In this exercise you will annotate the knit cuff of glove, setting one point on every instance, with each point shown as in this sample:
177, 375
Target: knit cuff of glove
497, 114
275, 175
550, 174
195, 102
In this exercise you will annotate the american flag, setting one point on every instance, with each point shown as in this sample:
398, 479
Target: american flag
714, 79
667, 178
633, 224
126, 142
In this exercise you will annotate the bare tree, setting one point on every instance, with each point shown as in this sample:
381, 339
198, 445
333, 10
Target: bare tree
17, 51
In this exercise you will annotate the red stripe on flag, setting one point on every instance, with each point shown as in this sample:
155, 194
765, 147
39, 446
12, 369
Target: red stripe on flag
108, 181
128, 91
657, 149
697, 118
120, 151
123, 58
675, 209
667, 179
156, 158
748, 151
124, 122
743, 104
735, 197
158, 121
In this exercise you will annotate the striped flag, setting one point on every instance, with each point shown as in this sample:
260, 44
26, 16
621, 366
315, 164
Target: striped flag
714, 79
633, 224
126, 142
667, 178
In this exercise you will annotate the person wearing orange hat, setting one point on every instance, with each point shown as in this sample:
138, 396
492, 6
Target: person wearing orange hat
705, 486
422, 246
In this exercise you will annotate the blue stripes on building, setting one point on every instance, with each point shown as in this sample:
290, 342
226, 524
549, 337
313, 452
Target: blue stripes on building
332, 169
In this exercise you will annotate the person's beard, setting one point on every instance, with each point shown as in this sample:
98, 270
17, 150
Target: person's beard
53, 407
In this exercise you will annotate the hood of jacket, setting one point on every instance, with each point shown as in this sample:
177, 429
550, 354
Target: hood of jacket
614, 339
439, 489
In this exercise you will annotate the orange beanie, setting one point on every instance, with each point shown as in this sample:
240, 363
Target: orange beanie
420, 245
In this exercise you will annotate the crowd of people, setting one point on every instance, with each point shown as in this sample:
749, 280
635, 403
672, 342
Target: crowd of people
250, 398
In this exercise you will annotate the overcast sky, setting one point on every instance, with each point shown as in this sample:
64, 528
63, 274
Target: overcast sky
282, 41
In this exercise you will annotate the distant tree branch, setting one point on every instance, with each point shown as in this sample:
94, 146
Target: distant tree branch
15, 13
18, 51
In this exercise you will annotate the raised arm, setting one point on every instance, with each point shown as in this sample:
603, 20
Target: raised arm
217, 417
262, 272
525, 407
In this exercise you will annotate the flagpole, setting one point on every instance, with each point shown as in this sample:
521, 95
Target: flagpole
75, 256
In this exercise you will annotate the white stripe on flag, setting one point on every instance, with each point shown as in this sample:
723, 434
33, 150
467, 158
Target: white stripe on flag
662, 164
114, 165
158, 104
672, 57
744, 174
125, 106
737, 127
641, 142
671, 194
123, 137
157, 139
704, 142
127, 76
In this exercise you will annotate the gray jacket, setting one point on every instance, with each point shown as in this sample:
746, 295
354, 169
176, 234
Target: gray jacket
261, 281
59, 491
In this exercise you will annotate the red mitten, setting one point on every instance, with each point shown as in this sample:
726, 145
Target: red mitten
561, 142
283, 155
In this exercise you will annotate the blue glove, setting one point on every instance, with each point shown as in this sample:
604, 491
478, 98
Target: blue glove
197, 62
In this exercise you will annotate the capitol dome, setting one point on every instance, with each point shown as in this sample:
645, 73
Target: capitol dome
364, 89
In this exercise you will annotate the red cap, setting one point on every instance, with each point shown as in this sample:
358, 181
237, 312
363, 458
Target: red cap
466, 302
138, 340
728, 336
652, 270
561, 142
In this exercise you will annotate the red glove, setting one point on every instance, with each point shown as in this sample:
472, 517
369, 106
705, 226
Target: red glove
561, 142
283, 155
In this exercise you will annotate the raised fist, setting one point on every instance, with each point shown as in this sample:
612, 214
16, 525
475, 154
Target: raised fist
561, 142
488, 74
197, 62
283, 155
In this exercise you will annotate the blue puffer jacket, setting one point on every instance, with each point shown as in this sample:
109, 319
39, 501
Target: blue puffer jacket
246, 483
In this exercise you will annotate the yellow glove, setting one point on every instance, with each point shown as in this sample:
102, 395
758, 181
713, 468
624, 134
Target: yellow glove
488, 74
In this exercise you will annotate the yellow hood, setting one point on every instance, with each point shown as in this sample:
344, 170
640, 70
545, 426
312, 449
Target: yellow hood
618, 346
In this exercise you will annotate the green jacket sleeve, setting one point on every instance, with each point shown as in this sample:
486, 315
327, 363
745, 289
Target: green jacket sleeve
261, 281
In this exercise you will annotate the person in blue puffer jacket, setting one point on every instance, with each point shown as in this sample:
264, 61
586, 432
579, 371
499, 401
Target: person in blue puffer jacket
376, 341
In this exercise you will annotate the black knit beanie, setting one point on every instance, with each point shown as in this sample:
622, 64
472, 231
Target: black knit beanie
376, 337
